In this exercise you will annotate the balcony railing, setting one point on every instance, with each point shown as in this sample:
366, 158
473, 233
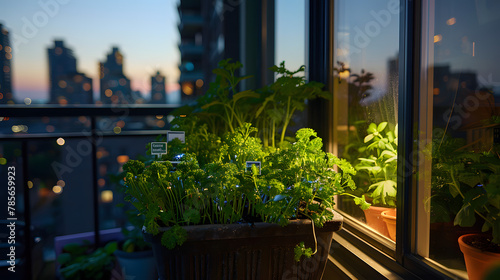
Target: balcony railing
96, 137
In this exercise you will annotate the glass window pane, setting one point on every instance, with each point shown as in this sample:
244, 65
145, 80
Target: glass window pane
112, 153
60, 191
365, 85
459, 126
290, 31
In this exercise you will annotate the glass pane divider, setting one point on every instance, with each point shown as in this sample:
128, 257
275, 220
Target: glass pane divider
422, 230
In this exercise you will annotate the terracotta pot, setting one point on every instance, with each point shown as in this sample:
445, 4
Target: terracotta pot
243, 251
477, 262
389, 217
374, 219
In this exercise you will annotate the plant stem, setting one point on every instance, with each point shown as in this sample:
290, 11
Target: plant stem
286, 119
457, 188
229, 120
273, 133
314, 235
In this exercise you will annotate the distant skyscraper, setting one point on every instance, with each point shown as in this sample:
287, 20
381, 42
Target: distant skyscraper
115, 86
158, 92
6, 96
67, 85
191, 47
212, 30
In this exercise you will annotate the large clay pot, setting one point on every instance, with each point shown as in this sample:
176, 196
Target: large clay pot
389, 217
243, 251
477, 262
374, 219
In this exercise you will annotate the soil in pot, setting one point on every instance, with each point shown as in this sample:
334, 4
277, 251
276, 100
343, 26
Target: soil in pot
479, 260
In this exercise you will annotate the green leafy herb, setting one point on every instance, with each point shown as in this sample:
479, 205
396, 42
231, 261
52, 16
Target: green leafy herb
79, 262
379, 163
301, 250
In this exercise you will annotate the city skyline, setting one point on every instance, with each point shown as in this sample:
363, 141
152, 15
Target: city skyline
146, 34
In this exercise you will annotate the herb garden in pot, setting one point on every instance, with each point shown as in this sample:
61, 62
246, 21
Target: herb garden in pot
466, 190
240, 198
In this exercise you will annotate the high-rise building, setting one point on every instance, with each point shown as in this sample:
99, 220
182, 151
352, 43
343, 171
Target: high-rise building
158, 92
191, 48
67, 85
214, 30
115, 86
6, 96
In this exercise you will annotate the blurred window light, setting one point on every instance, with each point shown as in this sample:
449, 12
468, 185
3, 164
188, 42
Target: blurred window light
107, 196
60, 141
121, 159
57, 189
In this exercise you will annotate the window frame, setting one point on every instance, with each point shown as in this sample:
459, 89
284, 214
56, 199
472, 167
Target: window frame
354, 246
92, 111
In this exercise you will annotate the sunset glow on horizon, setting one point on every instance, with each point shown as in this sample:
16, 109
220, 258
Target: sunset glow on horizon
145, 32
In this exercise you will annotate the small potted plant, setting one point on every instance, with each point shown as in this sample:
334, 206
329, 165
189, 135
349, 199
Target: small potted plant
378, 166
473, 180
81, 261
134, 254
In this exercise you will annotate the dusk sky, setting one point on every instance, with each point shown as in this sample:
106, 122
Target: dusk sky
365, 41
145, 31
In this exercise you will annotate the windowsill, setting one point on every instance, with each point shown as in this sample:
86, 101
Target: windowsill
351, 262
353, 258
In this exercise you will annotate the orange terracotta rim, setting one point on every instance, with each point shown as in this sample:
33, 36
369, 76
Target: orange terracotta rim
389, 217
389, 214
378, 208
472, 249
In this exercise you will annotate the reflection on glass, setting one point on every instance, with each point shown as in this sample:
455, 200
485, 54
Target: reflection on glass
365, 88
459, 125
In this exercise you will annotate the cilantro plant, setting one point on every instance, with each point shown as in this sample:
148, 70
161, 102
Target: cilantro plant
282, 99
270, 109
223, 102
